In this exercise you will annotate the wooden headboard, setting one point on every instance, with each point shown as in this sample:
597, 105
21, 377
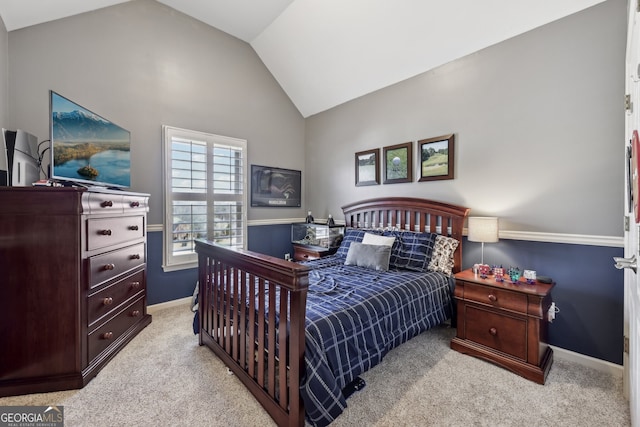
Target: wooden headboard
411, 214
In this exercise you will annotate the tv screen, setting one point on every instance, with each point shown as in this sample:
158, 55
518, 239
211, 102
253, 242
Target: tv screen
275, 187
87, 148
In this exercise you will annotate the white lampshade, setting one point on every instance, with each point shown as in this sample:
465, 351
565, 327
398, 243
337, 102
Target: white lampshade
483, 229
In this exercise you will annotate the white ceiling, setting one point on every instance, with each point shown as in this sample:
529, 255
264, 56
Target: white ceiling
327, 52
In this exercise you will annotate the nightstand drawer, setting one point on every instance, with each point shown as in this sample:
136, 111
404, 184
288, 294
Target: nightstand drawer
304, 254
503, 333
495, 297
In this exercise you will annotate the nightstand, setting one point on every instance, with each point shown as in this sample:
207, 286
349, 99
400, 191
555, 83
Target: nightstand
504, 323
307, 253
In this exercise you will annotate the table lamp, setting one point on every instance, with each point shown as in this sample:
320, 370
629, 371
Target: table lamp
483, 229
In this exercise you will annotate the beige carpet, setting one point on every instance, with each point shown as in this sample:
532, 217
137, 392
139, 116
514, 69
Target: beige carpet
163, 378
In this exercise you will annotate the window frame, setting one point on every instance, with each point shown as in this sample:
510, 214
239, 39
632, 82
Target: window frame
171, 261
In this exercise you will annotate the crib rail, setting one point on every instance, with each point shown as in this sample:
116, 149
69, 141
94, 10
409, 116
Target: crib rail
252, 315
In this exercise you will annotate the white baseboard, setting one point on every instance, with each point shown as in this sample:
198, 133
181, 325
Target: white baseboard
186, 301
588, 361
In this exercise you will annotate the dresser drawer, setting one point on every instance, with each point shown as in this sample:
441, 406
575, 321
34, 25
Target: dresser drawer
103, 203
113, 296
112, 264
134, 203
495, 297
105, 232
109, 333
499, 332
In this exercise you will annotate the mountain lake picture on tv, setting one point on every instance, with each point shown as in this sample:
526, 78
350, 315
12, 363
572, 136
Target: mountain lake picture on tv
86, 147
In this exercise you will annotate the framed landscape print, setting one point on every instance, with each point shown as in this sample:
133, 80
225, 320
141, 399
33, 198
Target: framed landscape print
436, 158
398, 163
367, 170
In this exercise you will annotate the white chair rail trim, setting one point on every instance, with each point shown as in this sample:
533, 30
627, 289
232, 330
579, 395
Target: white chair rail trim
573, 239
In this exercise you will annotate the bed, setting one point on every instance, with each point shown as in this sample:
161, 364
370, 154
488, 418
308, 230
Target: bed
299, 334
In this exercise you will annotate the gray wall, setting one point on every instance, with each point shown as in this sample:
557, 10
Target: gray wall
539, 126
4, 74
142, 65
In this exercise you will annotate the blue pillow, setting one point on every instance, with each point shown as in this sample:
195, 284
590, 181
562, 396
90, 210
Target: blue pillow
353, 235
411, 251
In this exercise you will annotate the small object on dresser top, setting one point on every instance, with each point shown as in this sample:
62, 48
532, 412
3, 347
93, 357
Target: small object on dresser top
309, 218
484, 270
498, 274
515, 274
330, 221
46, 183
544, 279
530, 276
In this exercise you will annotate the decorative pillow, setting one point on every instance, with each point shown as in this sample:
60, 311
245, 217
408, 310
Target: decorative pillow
375, 257
412, 250
375, 239
353, 235
442, 256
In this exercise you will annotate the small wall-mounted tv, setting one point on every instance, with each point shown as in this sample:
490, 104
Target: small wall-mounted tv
275, 187
87, 148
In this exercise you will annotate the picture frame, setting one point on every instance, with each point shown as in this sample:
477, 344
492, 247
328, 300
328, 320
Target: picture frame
367, 167
398, 163
275, 187
436, 158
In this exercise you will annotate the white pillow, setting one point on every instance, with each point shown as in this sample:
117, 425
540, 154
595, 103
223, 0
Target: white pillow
374, 239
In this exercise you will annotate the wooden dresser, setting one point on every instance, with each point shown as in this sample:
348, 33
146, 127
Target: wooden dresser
72, 283
504, 323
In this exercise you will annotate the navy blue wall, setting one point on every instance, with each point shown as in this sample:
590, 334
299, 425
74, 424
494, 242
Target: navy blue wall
589, 291
272, 240
161, 286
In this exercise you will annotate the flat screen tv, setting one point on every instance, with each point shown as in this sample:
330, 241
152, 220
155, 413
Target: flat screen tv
86, 148
275, 187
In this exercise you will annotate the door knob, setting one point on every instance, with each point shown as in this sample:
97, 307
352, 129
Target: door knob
631, 263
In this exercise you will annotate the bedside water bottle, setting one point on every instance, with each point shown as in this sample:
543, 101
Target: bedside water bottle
309, 218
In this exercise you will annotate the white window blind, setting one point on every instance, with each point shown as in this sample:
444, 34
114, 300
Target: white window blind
205, 193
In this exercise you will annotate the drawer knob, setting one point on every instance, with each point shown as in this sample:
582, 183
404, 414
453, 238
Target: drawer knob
135, 285
109, 266
134, 204
493, 331
493, 298
133, 227
107, 335
105, 232
106, 204
135, 256
135, 313
107, 301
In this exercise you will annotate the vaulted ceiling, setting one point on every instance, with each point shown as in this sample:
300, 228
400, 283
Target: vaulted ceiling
327, 52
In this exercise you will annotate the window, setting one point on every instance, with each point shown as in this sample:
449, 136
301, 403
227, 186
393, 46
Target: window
205, 193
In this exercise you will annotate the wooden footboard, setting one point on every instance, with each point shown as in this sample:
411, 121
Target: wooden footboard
243, 299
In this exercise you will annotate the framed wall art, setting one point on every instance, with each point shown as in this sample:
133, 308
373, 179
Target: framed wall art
367, 169
398, 162
436, 158
275, 187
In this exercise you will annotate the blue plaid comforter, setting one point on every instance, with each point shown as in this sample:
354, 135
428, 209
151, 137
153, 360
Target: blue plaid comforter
354, 317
